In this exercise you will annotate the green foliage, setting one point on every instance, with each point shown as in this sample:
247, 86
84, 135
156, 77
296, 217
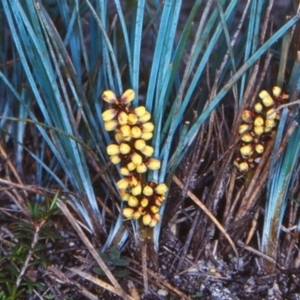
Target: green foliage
17, 249
113, 260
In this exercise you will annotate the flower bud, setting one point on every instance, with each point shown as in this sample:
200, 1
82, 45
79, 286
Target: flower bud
132, 119
109, 96
247, 116
128, 212
136, 215
243, 128
124, 171
142, 168
147, 151
125, 196
276, 91
136, 132
119, 137
144, 202
136, 158
115, 159
125, 130
147, 190
270, 123
124, 148
131, 166
153, 223
153, 164
140, 111
137, 190
109, 114
146, 219
267, 129
156, 217
243, 167
154, 209
147, 136
161, 189
258, 121
127, 96
111, 125
123, 184
113, 149
147, 127
122, 118
259, 148
246, 150
247, 138
159, 200
139, 144
259, 130
145, 118
133, 201
258, 107
267, 100
133, 181
271, 114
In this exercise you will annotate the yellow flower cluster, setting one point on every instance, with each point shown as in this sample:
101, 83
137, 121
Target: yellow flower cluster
256, 127
133, 129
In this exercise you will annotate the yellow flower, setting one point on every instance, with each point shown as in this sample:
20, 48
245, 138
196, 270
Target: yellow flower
147, 190
136, 158
122, 118
243, 166
127, 96
133, 201
276, 91
109, 114
270, 123
136, 132
146, 219
123, 184
140, 111
271, 114
154, 209
125, 195
131, 166
247, 138
119, 137
259, 148
128, 212
132, 119
124, 148
145, 118
161, 189
113, 149
139, 144
267, 129
133, 181
115, 159
144, 202
137, 190
136, 215
258, 107
267, 100
243, 128
258, 121
152, 223
246, 150
111, 125
147, 150
159, 200
147, 127
109, 96
147, 136
125, 130
259, 130
124, 171
142, 168
247, 116
153, 164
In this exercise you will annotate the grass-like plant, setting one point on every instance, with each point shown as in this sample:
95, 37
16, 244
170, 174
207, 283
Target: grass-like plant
195, 75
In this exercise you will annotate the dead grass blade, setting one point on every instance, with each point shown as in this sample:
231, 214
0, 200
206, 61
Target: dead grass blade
91, 249
210, 215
